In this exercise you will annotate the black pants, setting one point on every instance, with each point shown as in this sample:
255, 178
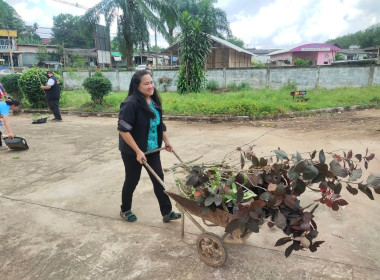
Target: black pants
54, 106
1, 143
132, 177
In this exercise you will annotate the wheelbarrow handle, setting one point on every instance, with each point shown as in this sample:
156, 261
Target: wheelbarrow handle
154, 173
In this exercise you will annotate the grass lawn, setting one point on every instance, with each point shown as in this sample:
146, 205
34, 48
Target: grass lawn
242, 103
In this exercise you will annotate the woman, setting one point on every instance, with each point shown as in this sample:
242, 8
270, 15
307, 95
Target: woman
5, 107
141, 130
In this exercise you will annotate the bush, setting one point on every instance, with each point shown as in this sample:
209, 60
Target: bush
212, 85
11, 86
244, 86
290, 86
30, 85
98, 86
301, 62
233, 87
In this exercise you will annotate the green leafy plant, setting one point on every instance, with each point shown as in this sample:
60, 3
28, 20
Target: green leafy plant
98, 86
30, 86
268, 190
194, 46
10, 83
301, 62
212, 85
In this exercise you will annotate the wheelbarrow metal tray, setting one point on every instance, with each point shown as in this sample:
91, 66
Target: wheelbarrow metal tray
217, 217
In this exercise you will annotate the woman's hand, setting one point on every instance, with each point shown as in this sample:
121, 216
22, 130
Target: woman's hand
168, 147
140, 157
10, 135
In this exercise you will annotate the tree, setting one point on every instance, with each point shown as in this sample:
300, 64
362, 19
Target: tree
9, 18
236, 41
42, 53
133, 24
71, 31
29, 35
194, 46
367, 38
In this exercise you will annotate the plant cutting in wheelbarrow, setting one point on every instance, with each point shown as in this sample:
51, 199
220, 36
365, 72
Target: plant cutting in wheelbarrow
269, 190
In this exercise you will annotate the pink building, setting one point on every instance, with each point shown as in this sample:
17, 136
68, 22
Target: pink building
318, 54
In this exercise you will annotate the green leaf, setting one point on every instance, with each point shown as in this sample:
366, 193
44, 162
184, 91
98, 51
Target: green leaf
299, 158
335, 167
281, 154
300, 166
322, 158
310, 172
300, 187
292, 174
209, 200
338, 188
280, 221
373, 180
355, 175
218, 199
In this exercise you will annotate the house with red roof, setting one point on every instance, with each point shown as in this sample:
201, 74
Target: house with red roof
316, 53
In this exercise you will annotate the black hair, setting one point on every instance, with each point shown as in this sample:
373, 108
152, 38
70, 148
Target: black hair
133, 90
11, 102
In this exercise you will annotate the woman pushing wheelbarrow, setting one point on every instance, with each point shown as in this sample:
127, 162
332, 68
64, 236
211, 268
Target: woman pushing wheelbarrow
141, 131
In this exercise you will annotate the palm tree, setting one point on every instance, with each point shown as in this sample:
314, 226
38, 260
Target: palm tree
133, 24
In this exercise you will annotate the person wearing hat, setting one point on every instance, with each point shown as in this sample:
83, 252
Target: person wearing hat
53, 90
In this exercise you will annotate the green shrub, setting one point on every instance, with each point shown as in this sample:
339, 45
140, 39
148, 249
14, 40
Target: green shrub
244, 86
212, 85
30, 86
233, 87
98, 86
11, 86
301, 62
290, 86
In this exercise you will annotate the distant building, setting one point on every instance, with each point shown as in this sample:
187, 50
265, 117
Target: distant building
316, 53
223, 54
8, 48
353, 53
261, 55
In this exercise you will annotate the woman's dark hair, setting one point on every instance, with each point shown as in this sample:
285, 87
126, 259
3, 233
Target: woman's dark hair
11, 102
133, 90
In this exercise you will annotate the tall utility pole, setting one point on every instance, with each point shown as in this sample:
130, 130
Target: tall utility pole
10, 49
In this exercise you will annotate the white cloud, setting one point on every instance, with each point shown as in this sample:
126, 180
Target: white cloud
269, 19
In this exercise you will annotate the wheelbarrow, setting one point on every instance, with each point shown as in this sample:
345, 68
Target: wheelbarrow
211, 247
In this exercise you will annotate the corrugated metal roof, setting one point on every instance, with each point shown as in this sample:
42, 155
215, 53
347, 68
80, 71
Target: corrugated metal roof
228, 44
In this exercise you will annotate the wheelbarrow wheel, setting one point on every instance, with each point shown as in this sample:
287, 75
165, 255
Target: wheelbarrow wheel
211, 249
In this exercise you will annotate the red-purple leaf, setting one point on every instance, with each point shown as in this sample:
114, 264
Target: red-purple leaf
341, 202
353, 191
335, 206
232, 225
282, 241
289, 250
359, 157
349, 155
370, 157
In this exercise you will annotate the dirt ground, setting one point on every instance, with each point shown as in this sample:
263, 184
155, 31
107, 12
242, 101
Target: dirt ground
60, 201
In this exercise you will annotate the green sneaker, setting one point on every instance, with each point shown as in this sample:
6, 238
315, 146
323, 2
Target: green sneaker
171, 216
128, 216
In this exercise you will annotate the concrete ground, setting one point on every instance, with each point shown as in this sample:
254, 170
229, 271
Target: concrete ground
60, 201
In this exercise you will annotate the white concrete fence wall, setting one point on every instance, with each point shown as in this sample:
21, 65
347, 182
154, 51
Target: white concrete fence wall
305, 78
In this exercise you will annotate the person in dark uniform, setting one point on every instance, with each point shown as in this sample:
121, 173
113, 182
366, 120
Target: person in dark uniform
53, 90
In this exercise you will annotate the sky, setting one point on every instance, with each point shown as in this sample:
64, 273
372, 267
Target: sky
259, 23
